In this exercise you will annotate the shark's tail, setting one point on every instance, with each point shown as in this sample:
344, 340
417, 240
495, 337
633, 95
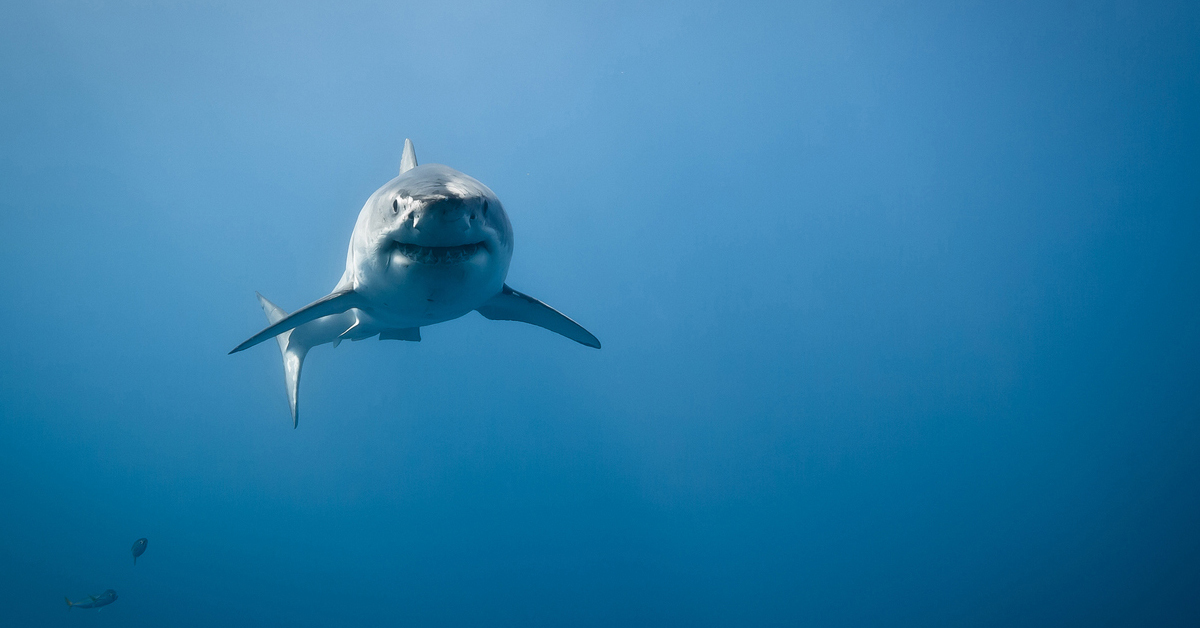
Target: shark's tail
293, 355
69, 602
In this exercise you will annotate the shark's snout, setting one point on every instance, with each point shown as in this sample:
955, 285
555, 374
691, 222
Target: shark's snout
438, 231
433, 219
442, 222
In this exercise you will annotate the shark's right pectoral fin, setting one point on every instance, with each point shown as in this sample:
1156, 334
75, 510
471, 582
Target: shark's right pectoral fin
511, 305
335, 303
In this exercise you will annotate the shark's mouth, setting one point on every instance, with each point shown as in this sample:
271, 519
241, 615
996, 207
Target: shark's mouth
438, 254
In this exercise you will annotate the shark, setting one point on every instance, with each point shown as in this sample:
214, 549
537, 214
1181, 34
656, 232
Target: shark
94, 601
429, 246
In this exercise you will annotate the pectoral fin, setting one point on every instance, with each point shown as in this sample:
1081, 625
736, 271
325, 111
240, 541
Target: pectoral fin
511, 305
335, 303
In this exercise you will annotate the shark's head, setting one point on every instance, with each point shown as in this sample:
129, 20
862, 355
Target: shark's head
432, 240
435, 215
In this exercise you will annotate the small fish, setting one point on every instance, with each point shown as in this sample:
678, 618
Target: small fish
139, 548
94, 601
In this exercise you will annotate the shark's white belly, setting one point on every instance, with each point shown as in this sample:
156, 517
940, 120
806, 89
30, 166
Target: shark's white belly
415, 295
408, 295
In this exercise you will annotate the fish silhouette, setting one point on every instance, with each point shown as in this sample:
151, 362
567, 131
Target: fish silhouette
94, 601
139, 548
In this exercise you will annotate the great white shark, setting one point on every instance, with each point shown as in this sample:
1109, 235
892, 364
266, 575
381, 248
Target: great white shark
431, 245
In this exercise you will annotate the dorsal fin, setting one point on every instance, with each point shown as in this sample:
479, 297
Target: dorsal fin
409, 160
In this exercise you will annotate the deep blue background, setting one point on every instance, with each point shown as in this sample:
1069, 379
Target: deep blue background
899, 306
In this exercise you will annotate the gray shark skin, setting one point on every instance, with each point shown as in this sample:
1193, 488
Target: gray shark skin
94, 601
431, 245
139, 548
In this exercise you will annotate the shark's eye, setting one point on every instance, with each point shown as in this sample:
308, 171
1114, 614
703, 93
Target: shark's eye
395, 206
485, 205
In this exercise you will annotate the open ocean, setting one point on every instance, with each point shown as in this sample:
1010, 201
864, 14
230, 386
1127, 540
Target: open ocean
899, 303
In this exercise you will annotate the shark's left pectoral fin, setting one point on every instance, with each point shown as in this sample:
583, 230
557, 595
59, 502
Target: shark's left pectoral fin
511, 305
335, 303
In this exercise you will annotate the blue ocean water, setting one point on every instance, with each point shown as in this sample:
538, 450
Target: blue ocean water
898, 303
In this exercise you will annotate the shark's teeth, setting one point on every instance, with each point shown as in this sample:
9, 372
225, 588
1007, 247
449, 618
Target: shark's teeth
438, 254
